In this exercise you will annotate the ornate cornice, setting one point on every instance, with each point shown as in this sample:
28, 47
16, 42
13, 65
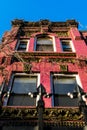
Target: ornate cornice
68, 23
52, 116
27, 28
61, 55
46, 57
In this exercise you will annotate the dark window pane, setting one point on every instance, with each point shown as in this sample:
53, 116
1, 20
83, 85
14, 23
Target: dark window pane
24, 84
66, 46
21, 86
21, 100
46, 41
22, 46
64, 100
44, 44
44, 48
61, 86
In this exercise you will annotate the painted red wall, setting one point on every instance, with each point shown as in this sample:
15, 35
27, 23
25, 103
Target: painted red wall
44, 67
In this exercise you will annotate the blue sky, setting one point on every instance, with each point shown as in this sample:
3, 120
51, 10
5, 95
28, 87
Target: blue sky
35, 10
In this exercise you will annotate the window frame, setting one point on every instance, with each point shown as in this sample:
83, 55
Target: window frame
70, 44
53, 43
19, 42
11, 83
64, 75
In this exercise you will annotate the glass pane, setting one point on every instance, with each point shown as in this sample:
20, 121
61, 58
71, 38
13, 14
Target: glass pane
24, 84
22, 45
44, 44
44, 48
65, 101
63, 85
66, 46
21, 100
44, 41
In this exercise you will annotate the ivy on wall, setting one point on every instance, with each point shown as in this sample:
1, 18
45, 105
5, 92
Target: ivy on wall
27, 67
63, 68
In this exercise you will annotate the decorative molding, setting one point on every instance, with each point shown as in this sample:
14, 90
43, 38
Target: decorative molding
57, 116
62, 34
68, 23
63, 68
61, 55
27, 67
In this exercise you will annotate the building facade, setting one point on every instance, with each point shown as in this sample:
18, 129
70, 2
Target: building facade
43, 61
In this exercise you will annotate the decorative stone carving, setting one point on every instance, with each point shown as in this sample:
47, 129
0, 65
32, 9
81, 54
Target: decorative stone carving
58, 116
63, 34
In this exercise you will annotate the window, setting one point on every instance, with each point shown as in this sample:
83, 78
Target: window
21, 85
67, 46
22, 45
44, 43
61, 86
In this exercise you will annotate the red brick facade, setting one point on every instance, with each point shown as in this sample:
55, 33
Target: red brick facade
44, 63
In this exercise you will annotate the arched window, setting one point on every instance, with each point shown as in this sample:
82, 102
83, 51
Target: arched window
44, 43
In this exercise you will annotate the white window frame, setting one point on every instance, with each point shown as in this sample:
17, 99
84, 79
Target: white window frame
11, 81
53, 43
18, 43
70, 43
65, 75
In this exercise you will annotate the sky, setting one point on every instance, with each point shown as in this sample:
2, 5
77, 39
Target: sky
35, 10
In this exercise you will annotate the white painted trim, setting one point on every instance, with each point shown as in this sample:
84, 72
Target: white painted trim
78, 81
54, 44
27, 45
72, 46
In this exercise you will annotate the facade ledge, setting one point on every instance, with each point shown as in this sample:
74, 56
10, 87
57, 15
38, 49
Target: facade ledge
53, 116
68, 23
47, 57
71, 54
